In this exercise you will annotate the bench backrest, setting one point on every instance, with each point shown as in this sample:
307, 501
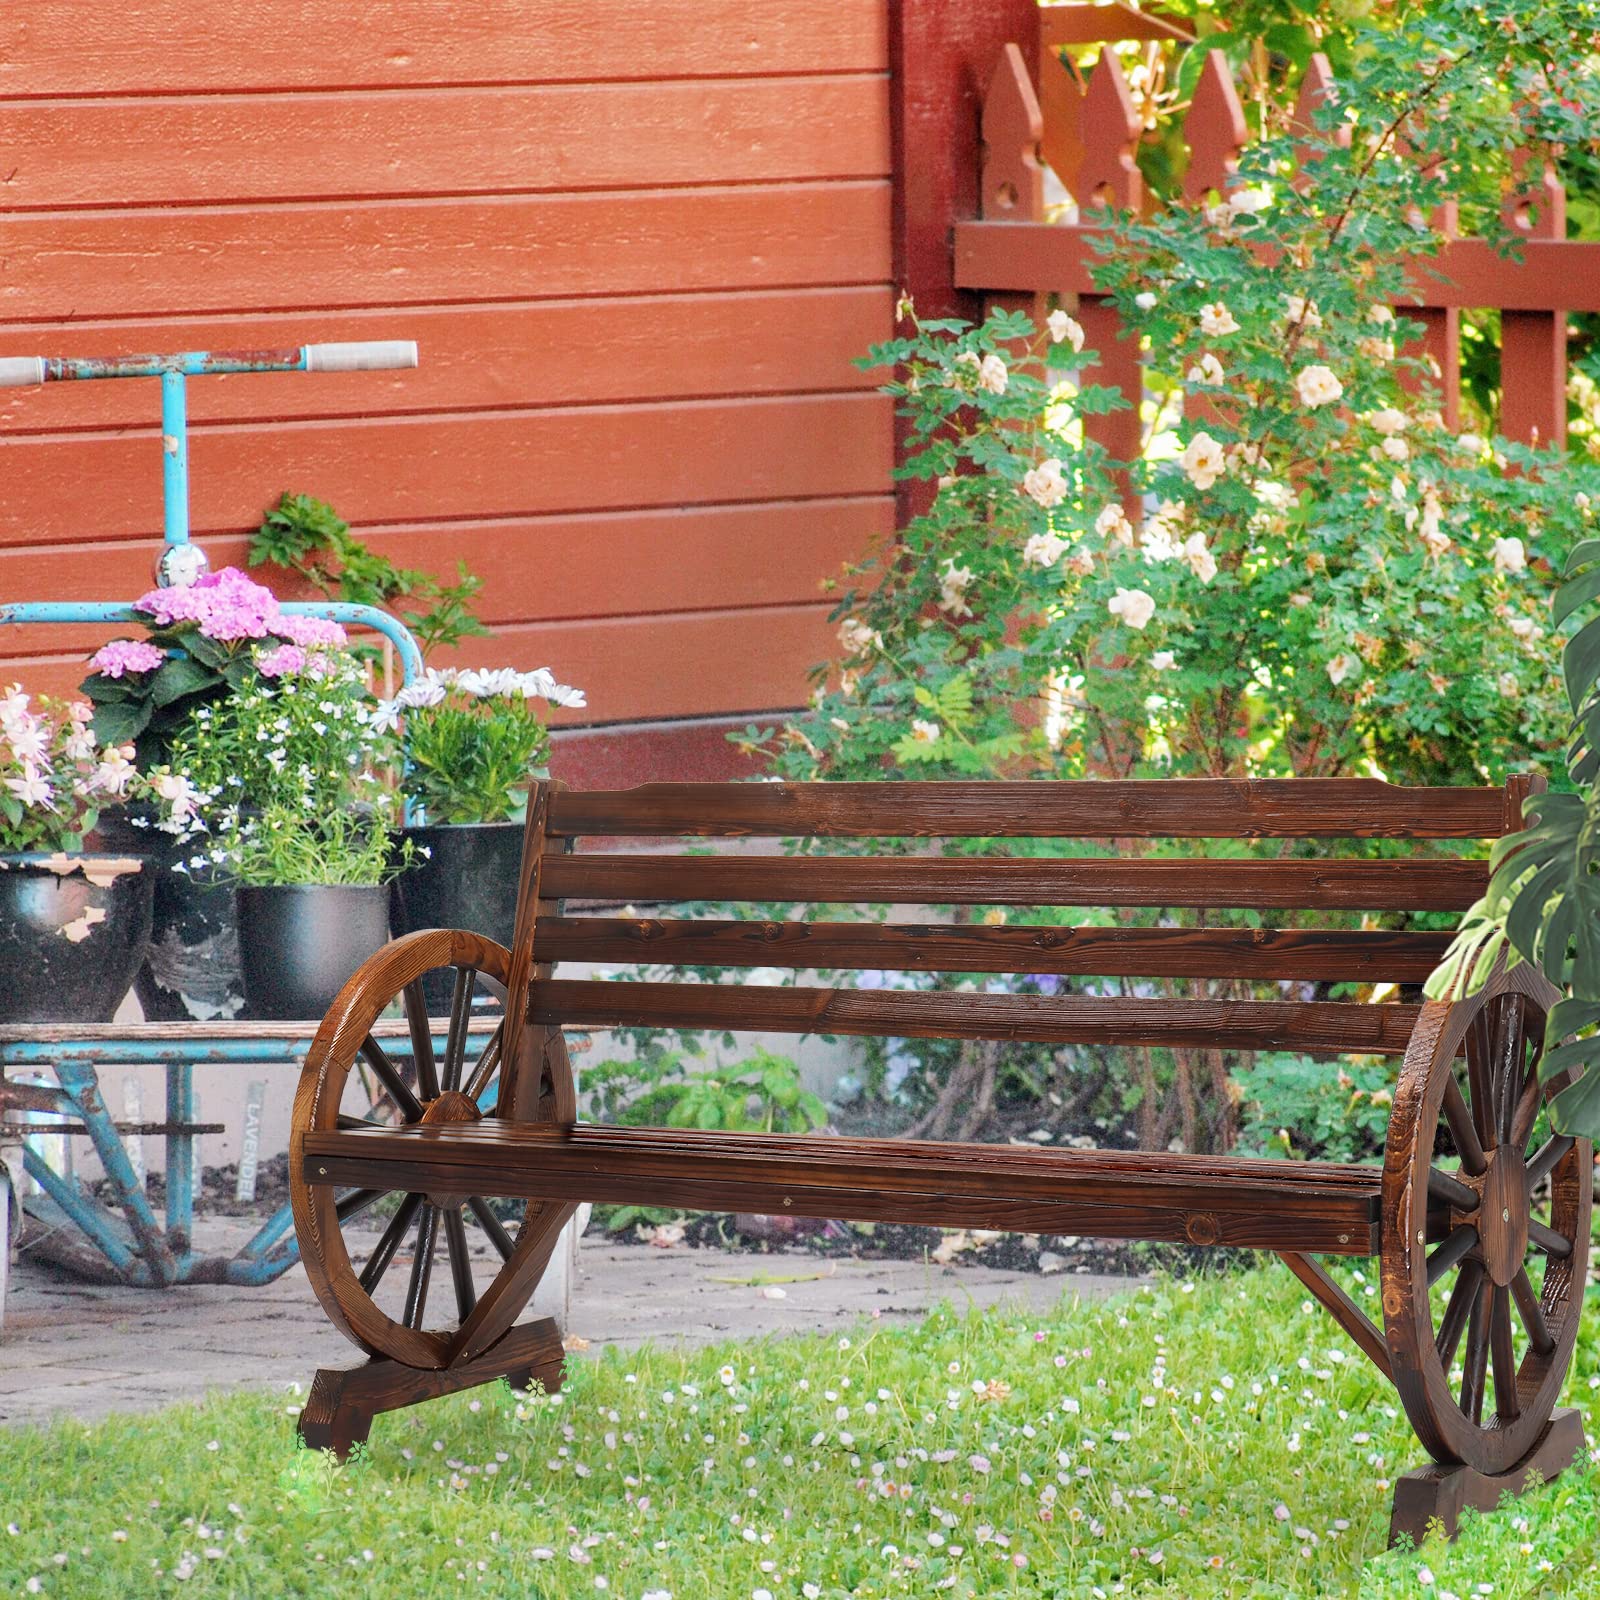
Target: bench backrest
555, 869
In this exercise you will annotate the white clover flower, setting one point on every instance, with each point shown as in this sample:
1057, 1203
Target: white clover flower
1341, 666
1207, 371
1216, 320
1061, 327
856, 638
1199, 558
1145, 301
1112, 523
924, 732
1317, 386
1134, 606
992, 374
1045, 484
1044, 549
1161, 661
1203, 460
1509, 555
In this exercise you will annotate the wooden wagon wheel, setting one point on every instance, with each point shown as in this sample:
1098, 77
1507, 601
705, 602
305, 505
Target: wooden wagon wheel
1482, 1236
382, 1305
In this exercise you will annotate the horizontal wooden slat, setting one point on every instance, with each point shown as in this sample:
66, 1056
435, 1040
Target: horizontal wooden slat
1185, 808
264, 147
1443, 885
1268, 1205
1048, 257
495, 464
50, 47
1315, 1028
330, 254
475, 358
1095, 24
1312, 953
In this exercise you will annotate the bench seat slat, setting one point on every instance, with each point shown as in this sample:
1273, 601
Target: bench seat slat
1427, 885
1311, 953
1317, 1027
1172, 808
1260, 1204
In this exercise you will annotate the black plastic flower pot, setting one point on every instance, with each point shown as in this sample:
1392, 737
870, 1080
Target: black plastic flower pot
299, 944
468, 879
73, 931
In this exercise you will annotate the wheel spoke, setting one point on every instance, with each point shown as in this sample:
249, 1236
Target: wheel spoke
1531, 1098
357, 1201
1476, 1360
421, 1267
1462, 1299
388, 1243
1480, 1080
455, 1235
1503, 1356
1451, 1251
455, 1041
1532, 1313
491, 1225
1444, 1187
1468, 1146
1548, 1240
1544, 1163
389, 1076
421, 1039
487, 1064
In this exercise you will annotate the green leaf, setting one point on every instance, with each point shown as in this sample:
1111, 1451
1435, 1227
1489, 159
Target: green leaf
121, 722
179, 676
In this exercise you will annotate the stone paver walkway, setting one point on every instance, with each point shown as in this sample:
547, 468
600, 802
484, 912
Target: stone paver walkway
83, 1350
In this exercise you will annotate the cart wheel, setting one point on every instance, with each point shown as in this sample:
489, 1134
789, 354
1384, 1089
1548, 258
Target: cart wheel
370, 1253
1481, 1236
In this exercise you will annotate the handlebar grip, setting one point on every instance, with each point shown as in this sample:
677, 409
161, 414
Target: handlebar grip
19, 372
368, 355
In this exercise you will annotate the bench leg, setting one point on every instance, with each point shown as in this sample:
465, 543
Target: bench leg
338, 1412
1440, 1494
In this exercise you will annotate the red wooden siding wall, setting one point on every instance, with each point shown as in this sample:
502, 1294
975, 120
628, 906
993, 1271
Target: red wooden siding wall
637, 245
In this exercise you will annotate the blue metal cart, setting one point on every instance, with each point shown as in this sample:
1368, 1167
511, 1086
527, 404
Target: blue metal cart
138, 1247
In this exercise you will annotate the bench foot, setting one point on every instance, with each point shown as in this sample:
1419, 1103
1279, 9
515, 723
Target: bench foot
1438, 1493
343, 1401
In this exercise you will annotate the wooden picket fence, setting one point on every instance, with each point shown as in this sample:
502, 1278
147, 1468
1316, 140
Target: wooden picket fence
1012, 253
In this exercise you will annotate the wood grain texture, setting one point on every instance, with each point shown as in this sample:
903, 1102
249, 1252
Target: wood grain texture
1016, 947
1316, 1028
1261, 1203
1028, 881
553, 137
1185, 808
473, 358
399, 252
51, 47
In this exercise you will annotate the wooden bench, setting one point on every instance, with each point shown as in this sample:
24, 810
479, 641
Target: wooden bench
1460, 1205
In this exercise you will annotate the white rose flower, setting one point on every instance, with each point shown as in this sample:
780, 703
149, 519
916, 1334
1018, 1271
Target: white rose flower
1045, 483
1044, 549
1470, 444
1204, 461
1216, 320
1061, 327
1342, 666
1509, 556
1274, 496
1581, 501
1249, 202
992, 374
924, 732
1199, 558
1508, 686
1380, 314
1303, 311
953, 590
1134, 606
1163, 661
1112, 523
1526, 629
1081, 562
1157, 543
1317, 386
1396, 449
1208, 371
856, 638
1389, 421
1145, 301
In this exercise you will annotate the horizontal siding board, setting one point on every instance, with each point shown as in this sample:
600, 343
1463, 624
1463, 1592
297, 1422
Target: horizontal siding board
56, 47
496, 464
709, 663
431, 250
548, 352
126, 151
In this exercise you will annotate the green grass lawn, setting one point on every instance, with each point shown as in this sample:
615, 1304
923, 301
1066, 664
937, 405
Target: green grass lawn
1194, 1440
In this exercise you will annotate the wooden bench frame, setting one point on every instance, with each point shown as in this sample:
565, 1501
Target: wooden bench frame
1468, 1089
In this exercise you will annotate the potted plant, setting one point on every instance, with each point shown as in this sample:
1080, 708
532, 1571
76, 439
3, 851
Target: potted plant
73, 922
467, 745
204, 643
294, 816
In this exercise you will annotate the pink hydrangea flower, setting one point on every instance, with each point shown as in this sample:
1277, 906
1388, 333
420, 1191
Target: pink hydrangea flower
226, 604
126, 655
309, 631
279, 662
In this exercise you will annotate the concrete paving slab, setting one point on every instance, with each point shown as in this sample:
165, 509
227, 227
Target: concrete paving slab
79, 1350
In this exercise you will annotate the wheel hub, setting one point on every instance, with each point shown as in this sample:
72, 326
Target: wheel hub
1502, 1215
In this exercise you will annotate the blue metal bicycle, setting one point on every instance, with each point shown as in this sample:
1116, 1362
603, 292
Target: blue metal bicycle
140, 1248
